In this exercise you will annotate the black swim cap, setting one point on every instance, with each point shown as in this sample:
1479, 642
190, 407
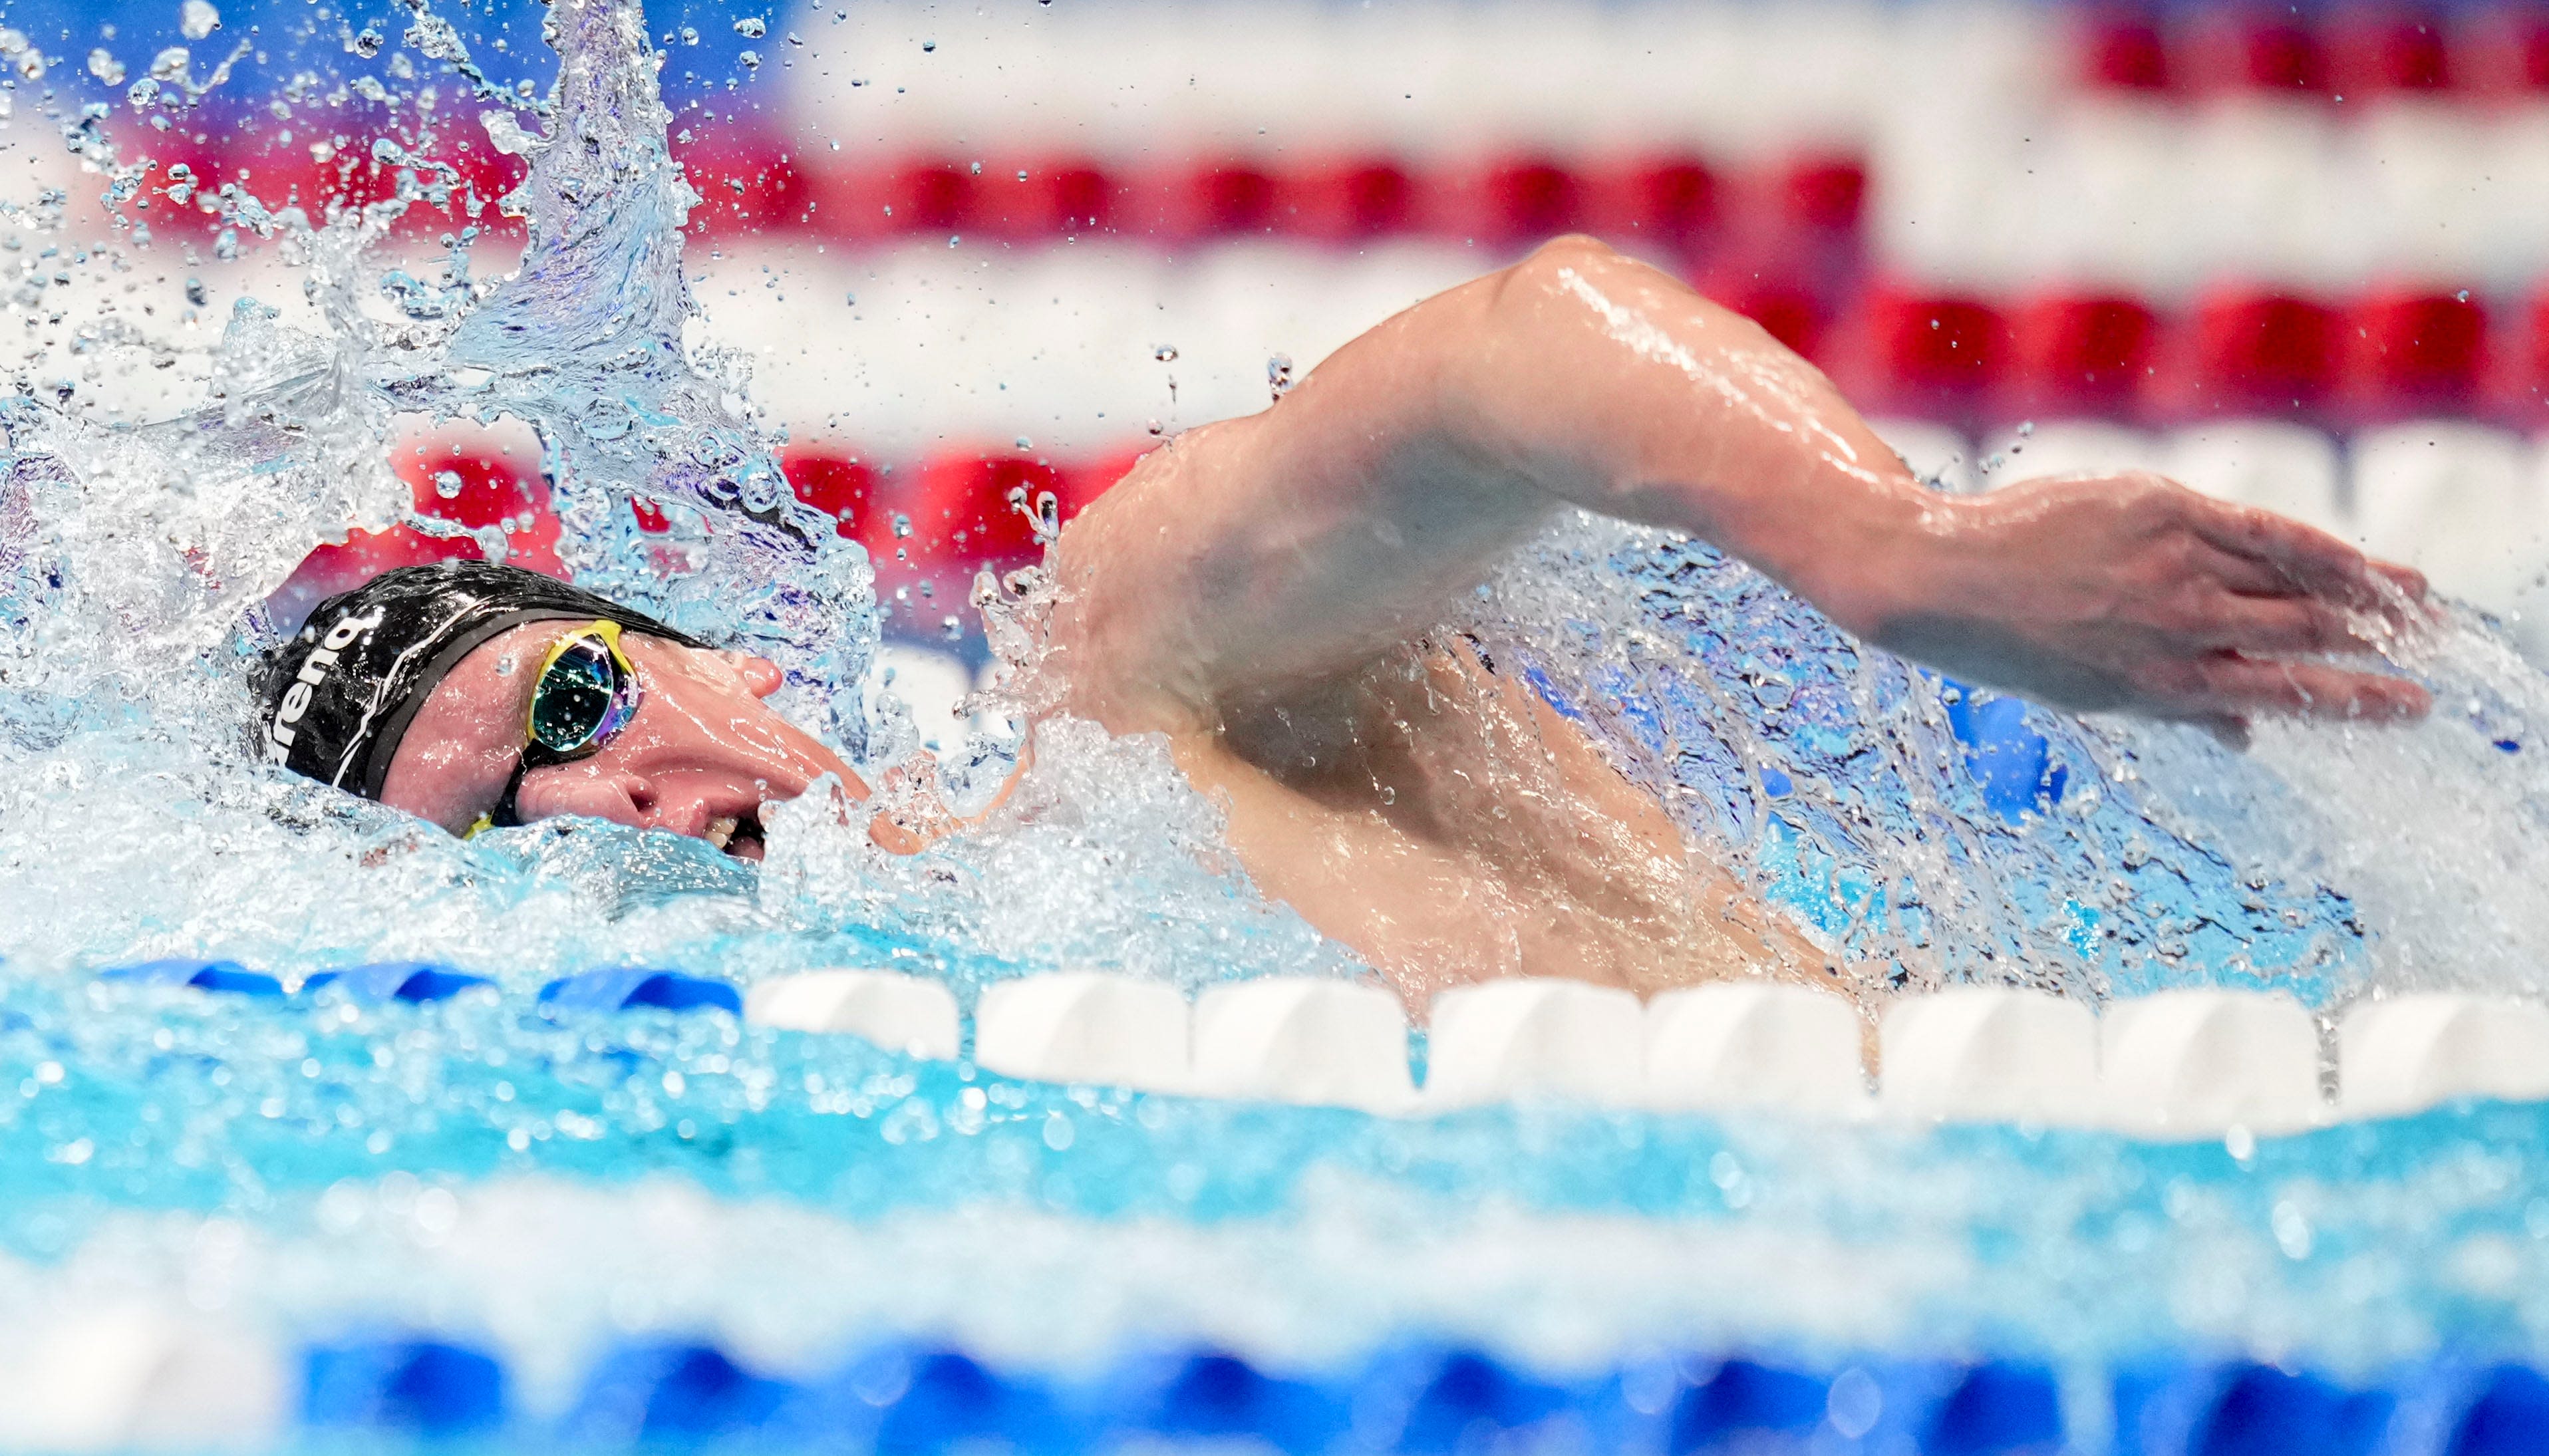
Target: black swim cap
334, 702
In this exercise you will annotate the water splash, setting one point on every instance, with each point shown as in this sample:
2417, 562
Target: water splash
1939, 833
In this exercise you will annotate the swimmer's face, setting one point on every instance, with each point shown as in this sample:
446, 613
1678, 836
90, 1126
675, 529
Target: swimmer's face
704, 755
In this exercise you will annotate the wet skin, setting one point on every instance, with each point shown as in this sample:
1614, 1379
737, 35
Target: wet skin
701, 757
1266, 594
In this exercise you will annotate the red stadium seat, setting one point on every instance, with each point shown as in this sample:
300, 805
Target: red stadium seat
926, 196
1055, 197
747, 184
1667, 199
1345, 199
2517, 383
2264, 352
493, 489
2501, 51
2416, 353
2123, 50
2389, 49
2245, 50
962, 514
935, 196
1823, 193
1786, 310
1226, 197
2082, 355
1932, 354
1513, 202
1096, 478
839, 483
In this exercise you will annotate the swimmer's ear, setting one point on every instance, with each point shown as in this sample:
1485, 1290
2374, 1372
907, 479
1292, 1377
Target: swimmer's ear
759, 674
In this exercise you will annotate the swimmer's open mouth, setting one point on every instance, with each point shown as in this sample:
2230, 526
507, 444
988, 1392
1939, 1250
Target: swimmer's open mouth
740, 838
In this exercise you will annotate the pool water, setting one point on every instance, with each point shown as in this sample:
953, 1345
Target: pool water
486, 1213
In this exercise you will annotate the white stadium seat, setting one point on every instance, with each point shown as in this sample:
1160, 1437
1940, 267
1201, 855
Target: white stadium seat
1934, 451
2068, 447
2466, 505
2289, 469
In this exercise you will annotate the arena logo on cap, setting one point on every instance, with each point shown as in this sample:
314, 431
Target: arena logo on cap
313, 672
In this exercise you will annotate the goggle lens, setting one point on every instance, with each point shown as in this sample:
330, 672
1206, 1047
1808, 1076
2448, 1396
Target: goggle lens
586, 693
582, 698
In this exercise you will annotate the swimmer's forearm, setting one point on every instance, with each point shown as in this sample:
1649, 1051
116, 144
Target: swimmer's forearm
1612, 386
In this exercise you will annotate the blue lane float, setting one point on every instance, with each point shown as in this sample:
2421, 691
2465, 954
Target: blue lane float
404, 1386
1420, 1396
225, 976
631, 988
396, 980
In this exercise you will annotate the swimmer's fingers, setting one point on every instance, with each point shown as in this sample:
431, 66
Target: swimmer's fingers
2226, 685
2310, 560
2273, 626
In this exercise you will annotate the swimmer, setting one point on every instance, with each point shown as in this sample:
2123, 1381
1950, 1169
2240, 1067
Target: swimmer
1267, 593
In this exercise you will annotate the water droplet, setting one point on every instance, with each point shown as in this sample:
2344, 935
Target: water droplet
752, 26
105, 67
447, 484
928, 45
1165, 353
197, 18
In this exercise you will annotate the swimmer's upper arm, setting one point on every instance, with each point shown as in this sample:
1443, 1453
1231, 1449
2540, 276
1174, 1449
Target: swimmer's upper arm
1253, 555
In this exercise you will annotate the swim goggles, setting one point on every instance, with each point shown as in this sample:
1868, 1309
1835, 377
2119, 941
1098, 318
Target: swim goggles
586, 693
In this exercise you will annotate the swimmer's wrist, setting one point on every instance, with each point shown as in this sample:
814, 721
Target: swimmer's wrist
1885, 559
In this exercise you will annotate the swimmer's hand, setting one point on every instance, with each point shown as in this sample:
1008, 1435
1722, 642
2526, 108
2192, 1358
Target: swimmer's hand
2128, 592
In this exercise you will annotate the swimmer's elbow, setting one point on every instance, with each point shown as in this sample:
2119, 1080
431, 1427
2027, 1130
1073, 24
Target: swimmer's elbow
1553, 264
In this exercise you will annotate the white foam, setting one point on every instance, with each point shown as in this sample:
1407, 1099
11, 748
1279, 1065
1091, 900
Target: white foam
1535, 1037
1084, 1026
1755, 1045
1310, 1040
2406, 1053
900, 1013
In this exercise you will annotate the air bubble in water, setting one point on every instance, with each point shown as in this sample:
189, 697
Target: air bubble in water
197, 18
752, 26
447, 484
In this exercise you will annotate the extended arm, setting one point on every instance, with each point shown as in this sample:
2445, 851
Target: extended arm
1262, 554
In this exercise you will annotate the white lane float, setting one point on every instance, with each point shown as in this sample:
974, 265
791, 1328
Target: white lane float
1988, 1053
1754, 1044
1313, 1041
2199, 1062
137, 1379
2405, 1053
1092, 1026
1536, 1037
909, 1014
